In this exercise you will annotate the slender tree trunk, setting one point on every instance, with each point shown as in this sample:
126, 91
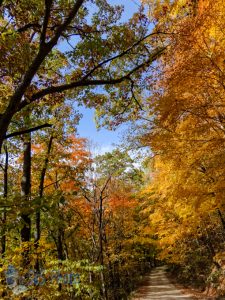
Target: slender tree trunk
60, 235
60, 231
111, 275
5, 195
60, 238
25, 193
41, 191
4, 216
101, 254
61, 256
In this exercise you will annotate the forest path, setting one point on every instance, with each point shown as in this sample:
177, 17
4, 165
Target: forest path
158, 286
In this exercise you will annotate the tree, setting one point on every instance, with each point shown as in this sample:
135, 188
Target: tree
107, 213
186, 133
100, 55
5, 195
189, 113
120, 165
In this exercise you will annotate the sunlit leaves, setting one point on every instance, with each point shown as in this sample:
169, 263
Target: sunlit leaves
187, 134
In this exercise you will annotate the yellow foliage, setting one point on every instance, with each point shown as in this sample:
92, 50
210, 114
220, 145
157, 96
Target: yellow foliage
188, 138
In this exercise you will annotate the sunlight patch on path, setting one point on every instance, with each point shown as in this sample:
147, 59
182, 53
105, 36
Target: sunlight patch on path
158, 286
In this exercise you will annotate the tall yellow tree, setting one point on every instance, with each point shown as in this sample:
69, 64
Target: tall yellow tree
187, 128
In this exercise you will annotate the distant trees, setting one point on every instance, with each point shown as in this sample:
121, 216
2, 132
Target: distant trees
108, 212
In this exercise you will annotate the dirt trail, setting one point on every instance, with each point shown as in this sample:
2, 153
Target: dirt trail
157, 286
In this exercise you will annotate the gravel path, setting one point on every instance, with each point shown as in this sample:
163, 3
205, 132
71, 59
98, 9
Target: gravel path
157, 286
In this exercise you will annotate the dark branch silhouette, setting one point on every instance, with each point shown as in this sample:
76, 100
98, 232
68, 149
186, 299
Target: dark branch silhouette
16, 133
86, 82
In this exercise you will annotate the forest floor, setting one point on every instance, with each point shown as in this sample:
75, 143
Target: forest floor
158, 286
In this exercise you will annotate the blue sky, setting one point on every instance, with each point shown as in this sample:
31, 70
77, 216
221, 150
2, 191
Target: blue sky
105, 138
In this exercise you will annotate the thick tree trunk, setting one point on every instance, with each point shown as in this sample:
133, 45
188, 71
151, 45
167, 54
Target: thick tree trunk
4, 124
25, 193
60, 238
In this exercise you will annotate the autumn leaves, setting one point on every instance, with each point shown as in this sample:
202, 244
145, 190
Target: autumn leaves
101, 215
188, 138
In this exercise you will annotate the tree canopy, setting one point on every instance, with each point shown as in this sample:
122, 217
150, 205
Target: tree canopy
75, 225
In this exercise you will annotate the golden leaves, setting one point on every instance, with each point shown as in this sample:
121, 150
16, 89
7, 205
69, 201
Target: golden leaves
188, 138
